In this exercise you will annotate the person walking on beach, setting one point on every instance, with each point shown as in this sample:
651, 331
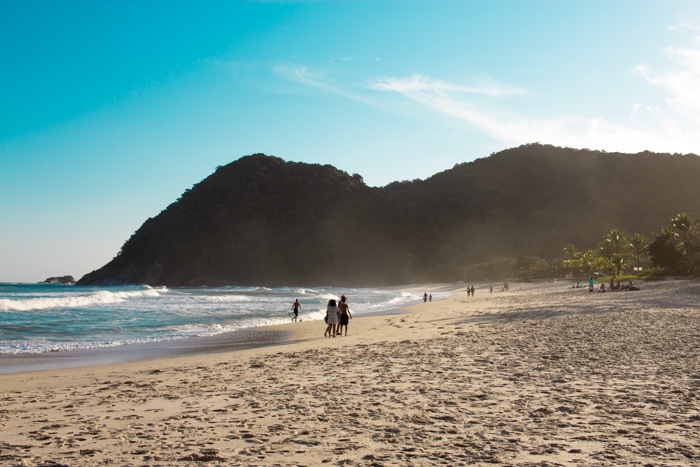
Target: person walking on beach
345, 315
332, 318
295, 308
425, 297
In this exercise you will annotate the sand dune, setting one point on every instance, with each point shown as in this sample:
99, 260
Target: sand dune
540, 375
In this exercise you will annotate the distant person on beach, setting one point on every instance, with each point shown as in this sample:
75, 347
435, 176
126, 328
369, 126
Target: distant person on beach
345, 315
425, 297
430, 297
295, 308
331, 318
591, 284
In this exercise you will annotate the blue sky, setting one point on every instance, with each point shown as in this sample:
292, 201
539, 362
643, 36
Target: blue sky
110, 110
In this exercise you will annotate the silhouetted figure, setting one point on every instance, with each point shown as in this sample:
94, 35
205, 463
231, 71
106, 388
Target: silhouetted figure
345, 315
295, 308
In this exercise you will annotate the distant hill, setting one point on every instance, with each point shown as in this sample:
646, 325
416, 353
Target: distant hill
263, 221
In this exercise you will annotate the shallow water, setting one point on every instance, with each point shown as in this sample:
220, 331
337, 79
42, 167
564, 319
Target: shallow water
37, 318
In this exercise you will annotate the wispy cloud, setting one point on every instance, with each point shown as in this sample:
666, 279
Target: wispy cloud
350, 58
319, 80
679, 115
670, 125
496, 110
303, 75
682, 25
417, 86
506, 125
682, 83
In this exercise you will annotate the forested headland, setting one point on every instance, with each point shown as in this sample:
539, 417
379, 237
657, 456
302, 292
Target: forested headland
261, 220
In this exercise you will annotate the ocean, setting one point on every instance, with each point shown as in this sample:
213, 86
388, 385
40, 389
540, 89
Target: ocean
41, 318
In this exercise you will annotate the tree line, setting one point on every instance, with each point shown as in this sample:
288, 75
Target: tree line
674, 250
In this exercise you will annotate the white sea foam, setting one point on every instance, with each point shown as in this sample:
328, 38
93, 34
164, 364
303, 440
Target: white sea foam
43, 318
100, 297
403, 298
220, 298
329, 296
307, 291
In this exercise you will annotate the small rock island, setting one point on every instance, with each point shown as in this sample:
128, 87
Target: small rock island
60, 280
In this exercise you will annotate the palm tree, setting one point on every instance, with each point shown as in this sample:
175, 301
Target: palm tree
677, 247
638, 244
614, 242
687, 233
618, 263
683, 223
589, 261
665, 251
572, 258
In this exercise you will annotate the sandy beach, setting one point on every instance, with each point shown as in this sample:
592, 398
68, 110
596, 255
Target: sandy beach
541, 375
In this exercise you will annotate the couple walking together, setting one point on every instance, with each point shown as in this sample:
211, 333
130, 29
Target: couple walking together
337, 316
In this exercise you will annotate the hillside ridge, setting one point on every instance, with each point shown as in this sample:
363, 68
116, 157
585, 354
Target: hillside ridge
261, 220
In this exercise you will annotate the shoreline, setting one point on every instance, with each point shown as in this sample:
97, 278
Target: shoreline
541, 375
242, 339
247, 338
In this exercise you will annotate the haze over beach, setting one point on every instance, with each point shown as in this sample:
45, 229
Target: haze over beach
193, 164
111, 110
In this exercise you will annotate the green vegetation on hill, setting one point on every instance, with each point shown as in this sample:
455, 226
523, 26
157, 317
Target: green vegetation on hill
60, 280
263, 221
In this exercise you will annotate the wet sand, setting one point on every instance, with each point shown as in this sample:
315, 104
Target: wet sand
238, 340
541, 375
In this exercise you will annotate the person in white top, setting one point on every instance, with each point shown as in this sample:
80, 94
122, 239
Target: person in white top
331, 318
